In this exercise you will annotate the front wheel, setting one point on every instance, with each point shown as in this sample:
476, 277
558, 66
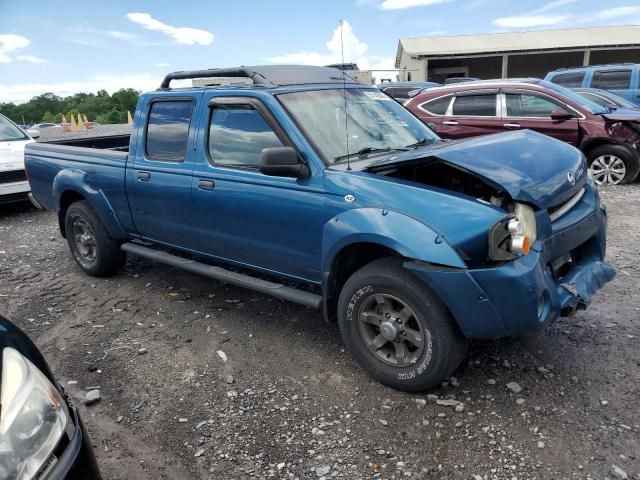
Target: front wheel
613, 165
397, 329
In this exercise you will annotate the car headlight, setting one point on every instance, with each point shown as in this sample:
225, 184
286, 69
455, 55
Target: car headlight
514, 235
33, 417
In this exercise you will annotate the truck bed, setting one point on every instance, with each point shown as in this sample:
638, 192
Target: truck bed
103, 167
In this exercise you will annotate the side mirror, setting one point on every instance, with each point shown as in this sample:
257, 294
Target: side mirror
33, 133
282, 162
561, 115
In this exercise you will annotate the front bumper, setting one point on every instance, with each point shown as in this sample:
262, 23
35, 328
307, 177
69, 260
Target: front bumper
14, 192
75, 459
525, 294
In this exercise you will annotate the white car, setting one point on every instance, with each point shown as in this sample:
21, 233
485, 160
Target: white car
14, 186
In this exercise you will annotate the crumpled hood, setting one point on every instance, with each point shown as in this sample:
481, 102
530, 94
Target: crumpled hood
529, 166
623, 114
12, 155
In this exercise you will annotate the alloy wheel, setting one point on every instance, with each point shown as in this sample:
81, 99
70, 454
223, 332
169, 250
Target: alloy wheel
84, 239
390, 330
608, 170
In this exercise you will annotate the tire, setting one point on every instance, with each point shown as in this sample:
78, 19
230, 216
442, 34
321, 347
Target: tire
410, 368
93, 249
613, 164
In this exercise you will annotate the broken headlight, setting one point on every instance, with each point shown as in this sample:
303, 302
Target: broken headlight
33, 417
513, 235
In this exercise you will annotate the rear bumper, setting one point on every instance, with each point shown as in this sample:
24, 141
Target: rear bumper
525, 295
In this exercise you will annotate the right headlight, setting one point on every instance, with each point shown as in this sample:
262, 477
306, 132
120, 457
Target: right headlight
33, 417
514, 235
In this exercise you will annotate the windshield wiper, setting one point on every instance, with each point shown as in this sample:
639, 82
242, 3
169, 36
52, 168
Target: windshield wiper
364, 151
420, 143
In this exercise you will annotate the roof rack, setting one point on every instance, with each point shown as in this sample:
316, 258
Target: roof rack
268, 75
242, 72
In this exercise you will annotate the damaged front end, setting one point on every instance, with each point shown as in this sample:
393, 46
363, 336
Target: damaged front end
543, 258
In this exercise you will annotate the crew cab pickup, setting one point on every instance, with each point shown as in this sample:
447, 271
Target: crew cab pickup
313, 188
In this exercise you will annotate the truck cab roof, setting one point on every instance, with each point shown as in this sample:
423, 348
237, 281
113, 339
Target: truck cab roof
265, 77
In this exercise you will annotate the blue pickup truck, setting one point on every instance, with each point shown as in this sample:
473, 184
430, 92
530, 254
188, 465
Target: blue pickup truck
313, 188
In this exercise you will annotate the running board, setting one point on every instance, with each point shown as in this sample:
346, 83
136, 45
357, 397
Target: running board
218, 273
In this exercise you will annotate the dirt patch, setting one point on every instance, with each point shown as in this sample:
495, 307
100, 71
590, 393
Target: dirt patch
289, 403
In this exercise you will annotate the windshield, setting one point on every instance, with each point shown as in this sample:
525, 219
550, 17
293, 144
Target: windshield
585, 103
376, 123
9, 131
609, 99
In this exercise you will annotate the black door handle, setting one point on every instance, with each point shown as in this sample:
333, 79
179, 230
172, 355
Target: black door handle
206, 184
144, 176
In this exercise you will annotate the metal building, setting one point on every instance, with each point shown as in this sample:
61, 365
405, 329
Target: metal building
515, 54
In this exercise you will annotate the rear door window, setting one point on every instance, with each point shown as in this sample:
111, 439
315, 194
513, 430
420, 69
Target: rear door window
483, 105
168, 130
611, 79
237, 135
530, 105
437, 106
569, 79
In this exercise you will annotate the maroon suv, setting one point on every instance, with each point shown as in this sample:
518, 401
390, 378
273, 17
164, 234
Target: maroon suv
609, 138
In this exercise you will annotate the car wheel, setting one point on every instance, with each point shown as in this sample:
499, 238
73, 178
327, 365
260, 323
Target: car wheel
94, 250
613, 165
396, 328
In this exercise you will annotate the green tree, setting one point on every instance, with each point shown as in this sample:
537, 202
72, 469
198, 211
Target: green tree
99, 106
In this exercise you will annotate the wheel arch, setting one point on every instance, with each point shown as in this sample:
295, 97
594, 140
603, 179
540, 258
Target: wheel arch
70, 186
592, 143
360, 236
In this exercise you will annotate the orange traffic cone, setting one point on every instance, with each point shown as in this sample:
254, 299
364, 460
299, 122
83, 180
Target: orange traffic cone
65, 125
86, 122
74, 127
81, 125
129, 119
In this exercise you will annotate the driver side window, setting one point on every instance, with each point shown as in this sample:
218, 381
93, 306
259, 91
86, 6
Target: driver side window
237, 135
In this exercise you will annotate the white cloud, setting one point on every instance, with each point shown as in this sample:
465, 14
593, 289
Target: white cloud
354, 51
182, 35
161, 65
525, 21
23, 92
122, 35
538, 17
30, 59
544, 17
617, 12
9, 43
402, 4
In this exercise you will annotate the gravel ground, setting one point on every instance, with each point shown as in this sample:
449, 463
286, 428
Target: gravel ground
203, 380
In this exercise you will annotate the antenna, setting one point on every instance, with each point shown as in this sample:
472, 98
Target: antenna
344, 94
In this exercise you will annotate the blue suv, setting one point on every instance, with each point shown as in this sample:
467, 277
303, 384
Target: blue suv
622, 79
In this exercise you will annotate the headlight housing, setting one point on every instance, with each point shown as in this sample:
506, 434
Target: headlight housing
33, 417
513, 235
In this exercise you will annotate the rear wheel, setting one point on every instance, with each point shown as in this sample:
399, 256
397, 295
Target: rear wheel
613, 165
92, 247
397, 329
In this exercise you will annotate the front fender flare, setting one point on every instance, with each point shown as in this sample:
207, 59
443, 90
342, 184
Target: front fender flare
76, 181
397, 231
